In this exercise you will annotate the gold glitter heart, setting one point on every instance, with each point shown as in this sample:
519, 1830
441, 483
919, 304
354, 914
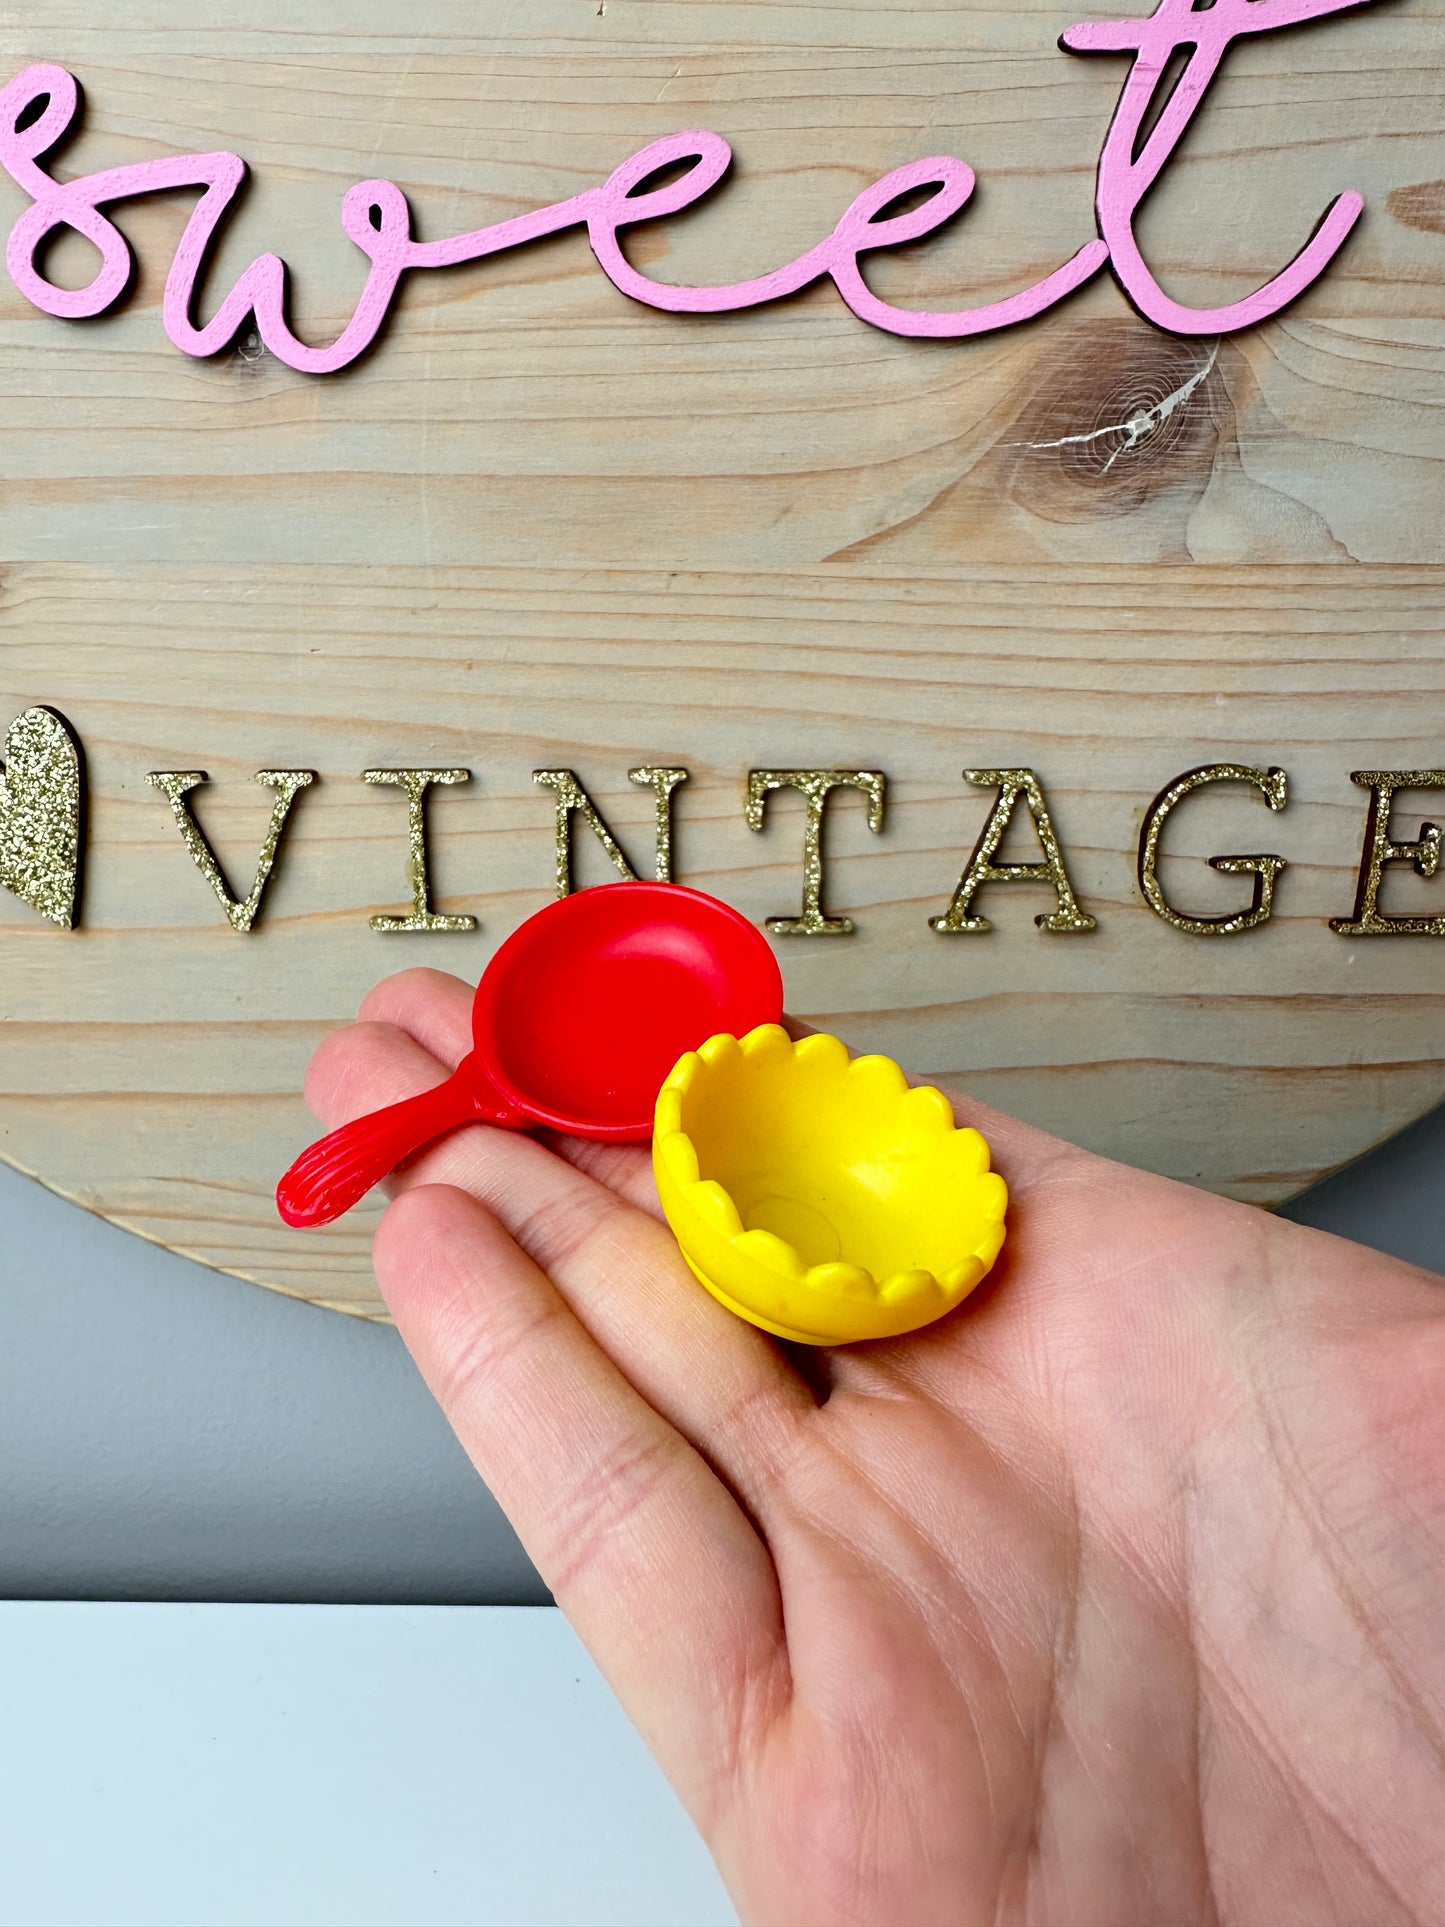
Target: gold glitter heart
42, 796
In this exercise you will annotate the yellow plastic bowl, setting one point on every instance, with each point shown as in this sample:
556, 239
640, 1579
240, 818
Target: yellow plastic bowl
817, 1195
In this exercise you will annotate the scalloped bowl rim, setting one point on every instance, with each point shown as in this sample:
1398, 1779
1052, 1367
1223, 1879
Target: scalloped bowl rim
781, 1264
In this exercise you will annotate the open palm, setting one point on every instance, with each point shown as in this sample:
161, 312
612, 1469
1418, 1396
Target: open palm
1118, 1595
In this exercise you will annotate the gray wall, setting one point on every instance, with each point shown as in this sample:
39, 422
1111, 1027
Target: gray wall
166, 1433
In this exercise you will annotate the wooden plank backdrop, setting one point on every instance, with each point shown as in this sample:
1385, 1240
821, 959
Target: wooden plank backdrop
544, 526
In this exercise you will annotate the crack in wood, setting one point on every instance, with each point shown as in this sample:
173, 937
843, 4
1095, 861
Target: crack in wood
1141, 424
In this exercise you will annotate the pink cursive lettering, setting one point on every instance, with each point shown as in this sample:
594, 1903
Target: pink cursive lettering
42, 106
1127, 171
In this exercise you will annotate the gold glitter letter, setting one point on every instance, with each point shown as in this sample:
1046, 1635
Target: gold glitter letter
177, 785
815, 784
981, 869
42, 815
1271, 785
573, 799
416, 783
1381, 848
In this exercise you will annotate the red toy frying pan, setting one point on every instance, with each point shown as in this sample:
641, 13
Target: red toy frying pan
578, 1019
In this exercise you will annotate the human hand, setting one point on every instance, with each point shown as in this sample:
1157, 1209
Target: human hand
1116, 1595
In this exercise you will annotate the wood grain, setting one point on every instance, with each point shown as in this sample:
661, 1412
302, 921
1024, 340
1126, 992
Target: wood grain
542, 526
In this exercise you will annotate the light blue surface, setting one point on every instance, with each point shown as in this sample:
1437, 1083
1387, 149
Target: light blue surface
166, 1433
304, 1766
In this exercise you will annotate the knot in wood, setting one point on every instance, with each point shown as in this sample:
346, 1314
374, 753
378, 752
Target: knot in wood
1120, 413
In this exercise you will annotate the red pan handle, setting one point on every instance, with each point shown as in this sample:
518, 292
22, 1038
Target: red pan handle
339, 1170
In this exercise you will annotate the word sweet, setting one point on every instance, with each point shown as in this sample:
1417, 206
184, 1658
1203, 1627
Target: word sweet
41, 107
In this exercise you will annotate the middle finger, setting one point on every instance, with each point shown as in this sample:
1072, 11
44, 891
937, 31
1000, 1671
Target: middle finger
721, 1381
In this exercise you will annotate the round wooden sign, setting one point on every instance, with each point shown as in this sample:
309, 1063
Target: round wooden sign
1058, 669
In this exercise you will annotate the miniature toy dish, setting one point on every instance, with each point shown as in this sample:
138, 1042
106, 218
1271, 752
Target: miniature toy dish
574, 1025
817, 1195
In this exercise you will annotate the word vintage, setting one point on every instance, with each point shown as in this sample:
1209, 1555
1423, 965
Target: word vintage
41, 107
1015, 788
42, 807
